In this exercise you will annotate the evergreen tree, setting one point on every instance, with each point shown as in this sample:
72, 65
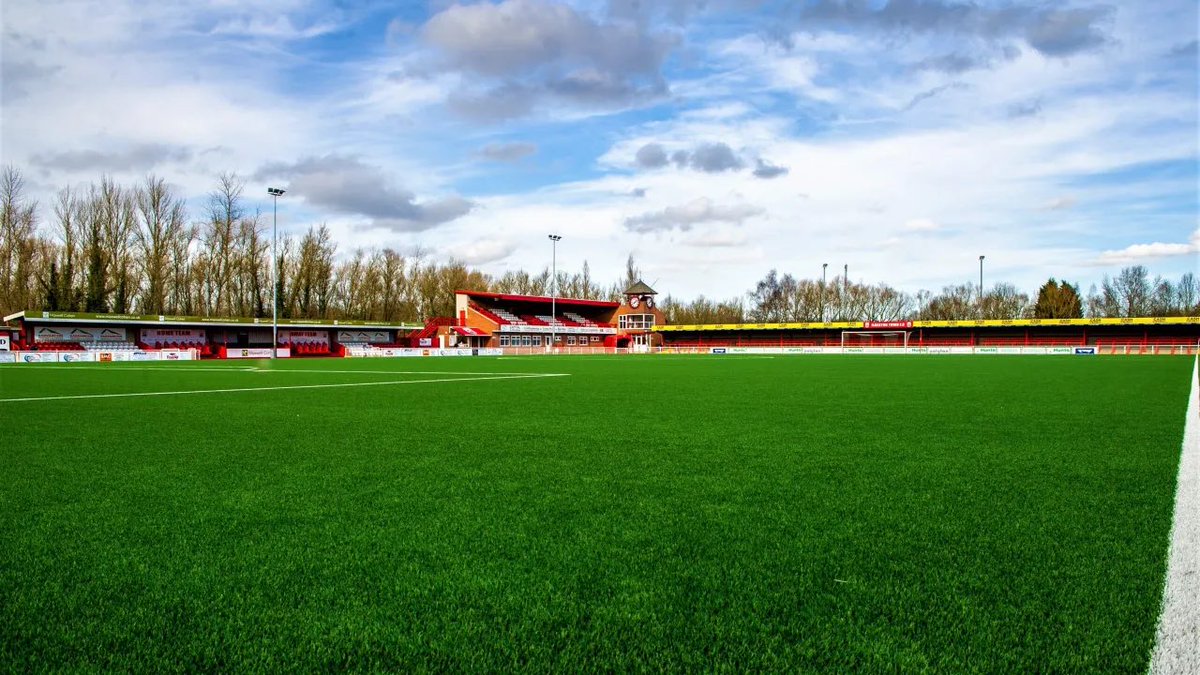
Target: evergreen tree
1058, 301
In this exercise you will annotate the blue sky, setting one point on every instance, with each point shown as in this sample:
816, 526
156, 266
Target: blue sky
714, 140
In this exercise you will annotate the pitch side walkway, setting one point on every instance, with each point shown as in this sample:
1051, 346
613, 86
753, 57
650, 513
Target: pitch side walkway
1177, 646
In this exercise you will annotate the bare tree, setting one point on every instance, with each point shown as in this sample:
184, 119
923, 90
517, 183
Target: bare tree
312, 281
393, 295
218, 236
18, 243
104, 220
162, 224
702, 310
1128, 294
954, 303
1187, 295
1004, 301
252, 258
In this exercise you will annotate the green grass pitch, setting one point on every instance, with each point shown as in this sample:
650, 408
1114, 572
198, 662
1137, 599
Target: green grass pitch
956, 514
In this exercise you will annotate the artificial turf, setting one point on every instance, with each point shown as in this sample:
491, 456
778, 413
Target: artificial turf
942, 513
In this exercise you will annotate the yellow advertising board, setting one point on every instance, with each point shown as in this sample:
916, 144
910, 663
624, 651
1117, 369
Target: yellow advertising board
970, 323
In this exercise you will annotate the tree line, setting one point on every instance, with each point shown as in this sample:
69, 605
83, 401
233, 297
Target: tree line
136, 249
784, 298
111, 248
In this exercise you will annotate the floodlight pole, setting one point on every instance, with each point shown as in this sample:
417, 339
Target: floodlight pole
845, 289
823, 268
275, 193
554, 239
981, 286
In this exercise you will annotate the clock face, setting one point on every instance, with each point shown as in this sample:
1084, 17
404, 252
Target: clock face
633, 301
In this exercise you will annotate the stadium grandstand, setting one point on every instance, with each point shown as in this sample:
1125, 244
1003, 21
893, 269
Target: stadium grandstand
494, 323
1123, 335
509, 321
132, 336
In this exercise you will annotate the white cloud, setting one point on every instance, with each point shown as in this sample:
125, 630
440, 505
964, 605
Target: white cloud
921, 225
718, 238
507, 152
684, 216
482, 251
1059, 203
1136, 253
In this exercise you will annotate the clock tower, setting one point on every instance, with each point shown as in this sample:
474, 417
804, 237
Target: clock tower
637, 316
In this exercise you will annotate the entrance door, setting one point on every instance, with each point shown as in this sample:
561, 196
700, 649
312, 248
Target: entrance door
641, 343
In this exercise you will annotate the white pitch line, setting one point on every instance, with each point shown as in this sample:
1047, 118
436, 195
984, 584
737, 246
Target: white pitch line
387, 372
1177, 644
122, 368
293, 386
177, 369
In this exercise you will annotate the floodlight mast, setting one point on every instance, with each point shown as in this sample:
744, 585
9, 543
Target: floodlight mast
554, 239
275, 193
824, 266
981, 286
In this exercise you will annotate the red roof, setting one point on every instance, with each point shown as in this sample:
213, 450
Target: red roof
541, 299
469, 331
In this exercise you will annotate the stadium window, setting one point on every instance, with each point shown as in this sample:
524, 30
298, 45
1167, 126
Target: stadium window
571, 339
558, 339
537, 340
526, 341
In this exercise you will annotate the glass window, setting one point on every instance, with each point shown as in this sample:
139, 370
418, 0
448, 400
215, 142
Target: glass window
526, 341
537, 340
635, 321
570, 339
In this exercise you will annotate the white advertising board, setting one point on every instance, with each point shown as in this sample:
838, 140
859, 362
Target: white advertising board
318, 336
79, 334
4, 346
900, 350
561, 330
156, 335
256, 353
37, 357
76, 357
400, 352
97, 356
363, 336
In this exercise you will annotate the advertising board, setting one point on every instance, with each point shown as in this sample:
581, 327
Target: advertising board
38, 357
561, 330
156, 335
4, 345
79, 334
363, 336
256, 353
318, 336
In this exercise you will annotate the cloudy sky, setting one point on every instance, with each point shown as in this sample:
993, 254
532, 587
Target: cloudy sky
713, 139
